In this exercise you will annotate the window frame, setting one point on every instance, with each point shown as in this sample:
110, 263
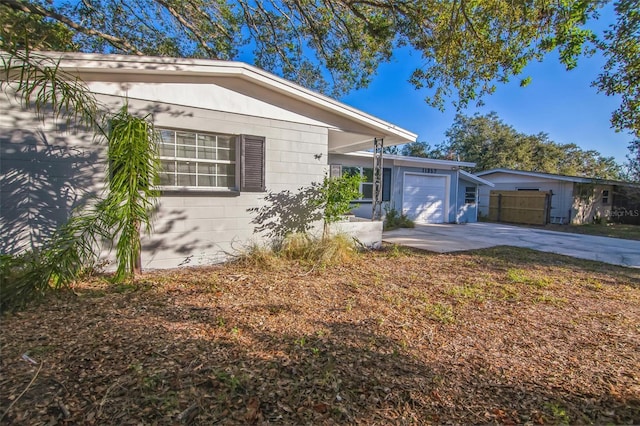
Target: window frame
606, 194
340, 169
467, 192
363, 199
176, 159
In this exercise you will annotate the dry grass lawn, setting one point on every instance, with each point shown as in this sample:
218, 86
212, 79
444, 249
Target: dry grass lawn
503, 335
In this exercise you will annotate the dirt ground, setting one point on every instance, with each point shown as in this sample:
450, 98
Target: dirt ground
504, 335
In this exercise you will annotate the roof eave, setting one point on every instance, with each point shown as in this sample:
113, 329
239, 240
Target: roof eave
99, 63
477, 179
417, 160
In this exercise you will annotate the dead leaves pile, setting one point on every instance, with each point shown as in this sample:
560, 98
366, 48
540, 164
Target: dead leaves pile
503, 336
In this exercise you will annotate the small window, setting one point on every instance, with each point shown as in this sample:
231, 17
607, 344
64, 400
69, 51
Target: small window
335, 170
470, 195
366, 186
605, 196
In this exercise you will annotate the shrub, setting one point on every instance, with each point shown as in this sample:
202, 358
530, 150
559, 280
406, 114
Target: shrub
304, 248
394, 220
336, 197
323, 251
14, 290
260, 257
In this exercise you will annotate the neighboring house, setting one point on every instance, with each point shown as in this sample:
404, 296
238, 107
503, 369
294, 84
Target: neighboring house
574, 200
426, 190
229, 133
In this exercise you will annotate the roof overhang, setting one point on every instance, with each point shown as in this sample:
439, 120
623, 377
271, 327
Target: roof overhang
402, 160
473, 178
562, 178
349, 128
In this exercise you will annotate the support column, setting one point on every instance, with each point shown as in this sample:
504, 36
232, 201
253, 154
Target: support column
376, 202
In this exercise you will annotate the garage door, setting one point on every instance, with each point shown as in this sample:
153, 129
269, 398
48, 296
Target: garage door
424, 198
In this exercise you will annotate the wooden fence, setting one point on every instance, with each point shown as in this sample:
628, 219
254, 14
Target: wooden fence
529, 207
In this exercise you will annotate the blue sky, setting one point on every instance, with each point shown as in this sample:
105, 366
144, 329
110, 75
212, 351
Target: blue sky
558, 102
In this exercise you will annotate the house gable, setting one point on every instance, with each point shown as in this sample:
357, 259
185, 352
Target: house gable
352, 129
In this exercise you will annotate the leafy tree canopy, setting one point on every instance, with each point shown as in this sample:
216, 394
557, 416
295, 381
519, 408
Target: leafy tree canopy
633, 161
621, 73
21, 30
490, 143
467, 46
425, 150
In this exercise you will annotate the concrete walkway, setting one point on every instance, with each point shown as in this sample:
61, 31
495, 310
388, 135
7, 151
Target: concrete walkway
449, 237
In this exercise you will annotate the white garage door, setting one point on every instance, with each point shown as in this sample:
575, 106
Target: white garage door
424, 198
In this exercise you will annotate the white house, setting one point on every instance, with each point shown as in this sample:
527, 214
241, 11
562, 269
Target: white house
230, 132
575, 200
426, 190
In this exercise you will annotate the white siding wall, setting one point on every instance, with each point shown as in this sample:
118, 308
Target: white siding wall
561, 201
45, 172
38, 189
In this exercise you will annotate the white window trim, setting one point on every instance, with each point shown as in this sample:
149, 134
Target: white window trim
475, 195
361, 168
189, 188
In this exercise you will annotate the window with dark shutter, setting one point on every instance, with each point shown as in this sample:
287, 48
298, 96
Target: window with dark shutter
252, 163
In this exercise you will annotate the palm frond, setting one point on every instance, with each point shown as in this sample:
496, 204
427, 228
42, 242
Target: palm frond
38, 83
133, 169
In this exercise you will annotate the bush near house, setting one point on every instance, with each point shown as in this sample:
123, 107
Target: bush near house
394, 220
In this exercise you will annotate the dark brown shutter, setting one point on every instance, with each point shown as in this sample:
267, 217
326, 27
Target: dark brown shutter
252, 150
386, 184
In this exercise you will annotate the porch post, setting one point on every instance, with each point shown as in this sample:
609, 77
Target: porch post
376, 202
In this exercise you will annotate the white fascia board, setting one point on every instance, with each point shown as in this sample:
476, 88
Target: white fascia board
535, 174
414, 161
550, 176
476, 179
563, 178
341, 142
126, 64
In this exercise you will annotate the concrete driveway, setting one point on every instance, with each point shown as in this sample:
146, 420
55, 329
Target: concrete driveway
450, 237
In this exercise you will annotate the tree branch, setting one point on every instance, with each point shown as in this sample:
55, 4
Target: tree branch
116, 42
194, 31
